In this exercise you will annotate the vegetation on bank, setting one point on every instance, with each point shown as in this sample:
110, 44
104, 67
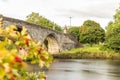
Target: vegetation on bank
88, 52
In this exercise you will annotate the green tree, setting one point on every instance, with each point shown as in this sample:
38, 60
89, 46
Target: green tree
113, 33
117, 15
91, 32
42, 21
75, 31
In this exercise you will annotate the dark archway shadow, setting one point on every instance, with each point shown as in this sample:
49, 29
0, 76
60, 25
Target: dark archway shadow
51, 44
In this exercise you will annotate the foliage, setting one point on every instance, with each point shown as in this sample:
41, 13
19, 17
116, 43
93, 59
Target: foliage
91, 32
35, 76
75, 31
113, 33
42, 21
18, 46
117, 15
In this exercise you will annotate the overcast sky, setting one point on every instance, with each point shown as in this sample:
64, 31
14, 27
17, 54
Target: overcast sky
59, 11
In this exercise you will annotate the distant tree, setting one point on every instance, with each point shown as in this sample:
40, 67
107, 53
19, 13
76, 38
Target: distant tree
117, 15
42, 21
75, 31
91, 32
113, 33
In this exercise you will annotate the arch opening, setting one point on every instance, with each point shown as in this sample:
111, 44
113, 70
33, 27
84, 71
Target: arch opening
51, 44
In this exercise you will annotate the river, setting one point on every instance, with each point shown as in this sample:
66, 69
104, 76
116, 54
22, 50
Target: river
84, 69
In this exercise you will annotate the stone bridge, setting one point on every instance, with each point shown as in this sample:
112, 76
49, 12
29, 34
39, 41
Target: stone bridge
54, 41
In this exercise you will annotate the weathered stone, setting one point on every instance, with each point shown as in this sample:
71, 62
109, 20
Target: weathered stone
57, 41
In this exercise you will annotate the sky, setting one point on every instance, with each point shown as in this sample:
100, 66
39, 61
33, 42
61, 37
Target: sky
60, 11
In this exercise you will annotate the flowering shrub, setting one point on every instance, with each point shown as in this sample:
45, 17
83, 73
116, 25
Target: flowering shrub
16, 47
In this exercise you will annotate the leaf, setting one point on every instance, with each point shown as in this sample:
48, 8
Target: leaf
3, 53
2, 72
41, 63
15, 72
24, 31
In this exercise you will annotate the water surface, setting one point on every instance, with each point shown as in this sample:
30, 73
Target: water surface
84, 69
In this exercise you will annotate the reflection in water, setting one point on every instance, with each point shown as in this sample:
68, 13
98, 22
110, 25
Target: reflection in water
84, 70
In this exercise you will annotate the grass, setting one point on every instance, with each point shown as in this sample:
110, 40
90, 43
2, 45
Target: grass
88, 52
93, 49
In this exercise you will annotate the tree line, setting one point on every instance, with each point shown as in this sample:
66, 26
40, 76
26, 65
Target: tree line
92, 33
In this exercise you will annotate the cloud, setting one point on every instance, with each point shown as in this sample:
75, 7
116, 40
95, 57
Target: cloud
4, 0
60, 10
98, 10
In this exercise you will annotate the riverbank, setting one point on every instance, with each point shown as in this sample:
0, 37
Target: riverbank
88, 52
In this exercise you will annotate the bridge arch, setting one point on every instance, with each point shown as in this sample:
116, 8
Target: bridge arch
51, 44
62, 42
